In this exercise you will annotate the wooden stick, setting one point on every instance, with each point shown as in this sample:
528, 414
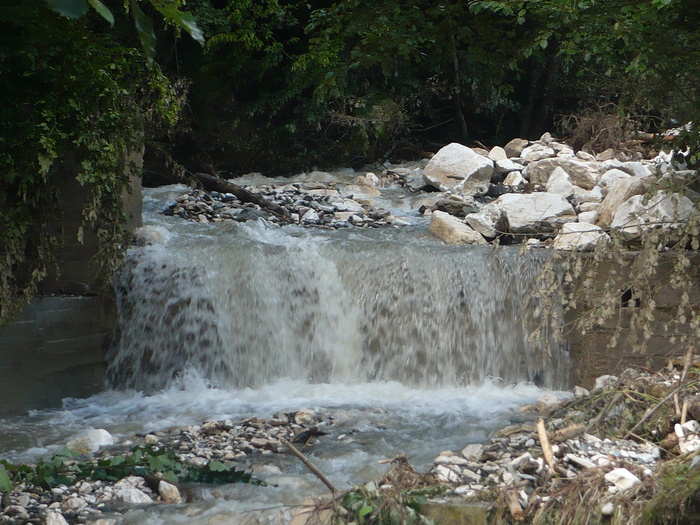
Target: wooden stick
687, 362
568, 432
514, 505
212, 183
309, 465
546, 447
684, 412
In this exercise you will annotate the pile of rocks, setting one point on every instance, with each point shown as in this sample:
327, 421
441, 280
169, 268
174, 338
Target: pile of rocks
516, 459
309, 204
88, 501
545, 190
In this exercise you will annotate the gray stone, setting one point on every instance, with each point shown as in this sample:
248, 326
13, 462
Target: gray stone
507, 166
580, 236
515, 147
459, 168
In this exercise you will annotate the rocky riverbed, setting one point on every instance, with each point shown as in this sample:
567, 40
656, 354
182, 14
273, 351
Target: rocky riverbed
527, 191
619, 437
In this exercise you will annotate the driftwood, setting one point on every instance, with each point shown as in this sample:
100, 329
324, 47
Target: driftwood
546, 447
309, 465
514, 506
211, 183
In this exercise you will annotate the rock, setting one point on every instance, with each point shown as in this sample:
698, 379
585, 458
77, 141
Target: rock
515, 147
446, 474
636, 169
515, 178
621, 190
16, 511
457, 167
582, 196
497, 153
609, 178
607, 509
452, 230
622, 478
589, 206
473, 452
303, 416
457, 205
661, 211
584, 155
604, 381
560, 183
132, 495
587, 216
537, 151
580, 236
582, 174
579, 391
507, 166
74, 503
547, 402
54, 517
535, 213
91, 441
169, 493
150, 439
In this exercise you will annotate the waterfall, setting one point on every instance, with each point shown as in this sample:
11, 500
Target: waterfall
245, 305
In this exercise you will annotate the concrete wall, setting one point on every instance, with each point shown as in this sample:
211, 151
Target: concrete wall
57, 346
590, 355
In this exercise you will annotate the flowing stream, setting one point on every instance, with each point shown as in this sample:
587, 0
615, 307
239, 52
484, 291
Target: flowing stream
409, 345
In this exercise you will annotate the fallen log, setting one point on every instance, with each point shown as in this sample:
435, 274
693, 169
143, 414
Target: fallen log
211, 183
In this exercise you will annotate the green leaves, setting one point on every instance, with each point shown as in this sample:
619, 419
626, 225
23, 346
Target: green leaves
5, 481
144, 28
103, 11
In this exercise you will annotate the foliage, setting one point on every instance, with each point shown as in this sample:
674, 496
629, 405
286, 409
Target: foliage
369, 505
65, 468
72, 97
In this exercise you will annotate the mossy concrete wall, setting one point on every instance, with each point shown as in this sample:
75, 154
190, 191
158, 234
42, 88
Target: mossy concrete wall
56, 348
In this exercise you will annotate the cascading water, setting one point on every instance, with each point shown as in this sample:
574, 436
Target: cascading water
407, 345
245, 305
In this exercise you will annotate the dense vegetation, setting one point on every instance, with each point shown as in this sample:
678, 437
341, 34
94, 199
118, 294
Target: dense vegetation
282, 85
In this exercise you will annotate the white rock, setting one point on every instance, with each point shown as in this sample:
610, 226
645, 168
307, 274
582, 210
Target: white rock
605, 380
150, 439
487, 221
303, 416
691, 426
497, 153
537, 152
547, 401
582, 196
619, 192
129, 494
453, 230
608, 509
310, 216
610, 177
450, 460
584, 155
507, 166
535, 213
53, 517
91, 441
74, 503
470, 475
587, 216
622, 478
689, 444
169, 493
580, 236
445, 474
582, 174
636, 169
465, 490
662, 210
473, 452
560, 183
514, 178
579, 391
588, 206
580, 461
457, 167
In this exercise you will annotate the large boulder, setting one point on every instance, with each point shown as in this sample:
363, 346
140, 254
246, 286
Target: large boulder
560, 183
453, 230
540, 214
459, 168
582, 174
621, 190
663, 210
580, 236
515, 147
